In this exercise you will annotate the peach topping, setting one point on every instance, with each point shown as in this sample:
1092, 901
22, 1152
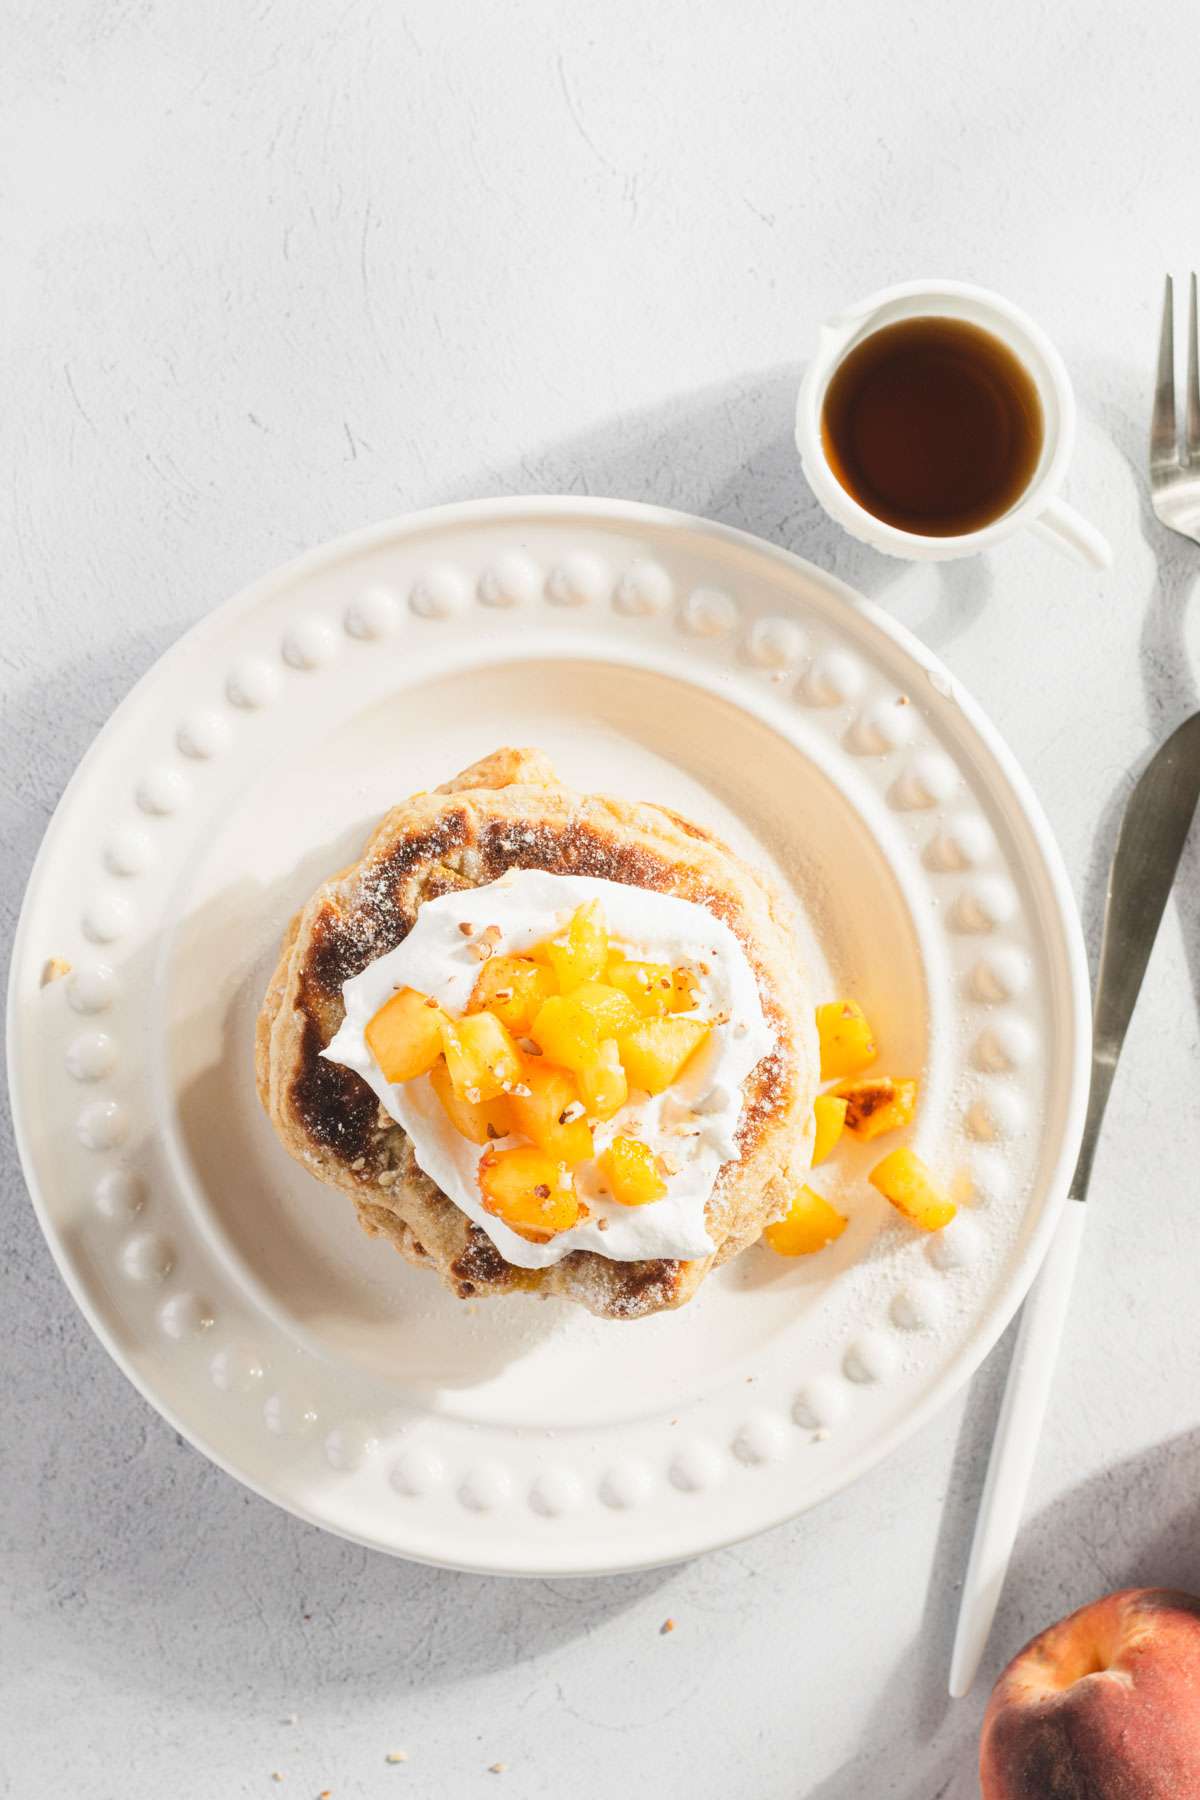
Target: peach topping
550, 1044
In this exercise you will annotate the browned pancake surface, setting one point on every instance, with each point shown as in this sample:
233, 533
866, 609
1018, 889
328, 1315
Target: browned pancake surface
510, 812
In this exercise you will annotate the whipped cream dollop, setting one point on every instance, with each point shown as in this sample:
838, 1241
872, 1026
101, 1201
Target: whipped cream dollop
693, 1126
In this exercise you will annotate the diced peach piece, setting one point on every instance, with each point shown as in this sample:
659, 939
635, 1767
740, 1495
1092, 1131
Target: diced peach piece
579, 952
629, 1169
877, 1104
482, 1059
564, 1033
830, 1114
480, 1120
809, 1224
903, 1179
512, 987
847, 1041
545, 1105
603, 1084
532, 1192
404, 1036
656, 1052
685, 990
647, 984
612, 1012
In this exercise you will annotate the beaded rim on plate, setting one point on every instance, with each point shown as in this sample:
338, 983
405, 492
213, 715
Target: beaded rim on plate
616, 572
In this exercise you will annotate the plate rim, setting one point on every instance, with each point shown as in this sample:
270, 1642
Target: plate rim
635, 514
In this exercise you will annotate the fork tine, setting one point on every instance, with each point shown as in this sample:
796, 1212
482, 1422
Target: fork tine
1163, 445
1193, 379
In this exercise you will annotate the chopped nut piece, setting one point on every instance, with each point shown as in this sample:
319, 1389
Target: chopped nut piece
527, 1047
485, 944
668, 1164
467, 931
601, 1224
542, 1191
497, 1768
54, 970
667, 1626
569, 1114
396, 1756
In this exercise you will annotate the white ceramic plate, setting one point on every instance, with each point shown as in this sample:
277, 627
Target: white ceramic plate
652, 655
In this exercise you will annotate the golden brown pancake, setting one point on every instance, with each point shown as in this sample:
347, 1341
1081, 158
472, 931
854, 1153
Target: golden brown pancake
510, 812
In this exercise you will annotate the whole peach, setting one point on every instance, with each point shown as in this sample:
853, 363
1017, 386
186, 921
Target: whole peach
1104, 1706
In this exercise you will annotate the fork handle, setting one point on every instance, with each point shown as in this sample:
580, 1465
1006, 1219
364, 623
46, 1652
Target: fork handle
1060, 524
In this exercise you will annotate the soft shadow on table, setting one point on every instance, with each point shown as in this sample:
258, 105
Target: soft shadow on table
1133, 1525
1170, 680
913, 1722
728, 453
183, 1575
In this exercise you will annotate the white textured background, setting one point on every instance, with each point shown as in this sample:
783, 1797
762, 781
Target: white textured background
271, 271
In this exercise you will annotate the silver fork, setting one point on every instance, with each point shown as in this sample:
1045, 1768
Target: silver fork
1175, 470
